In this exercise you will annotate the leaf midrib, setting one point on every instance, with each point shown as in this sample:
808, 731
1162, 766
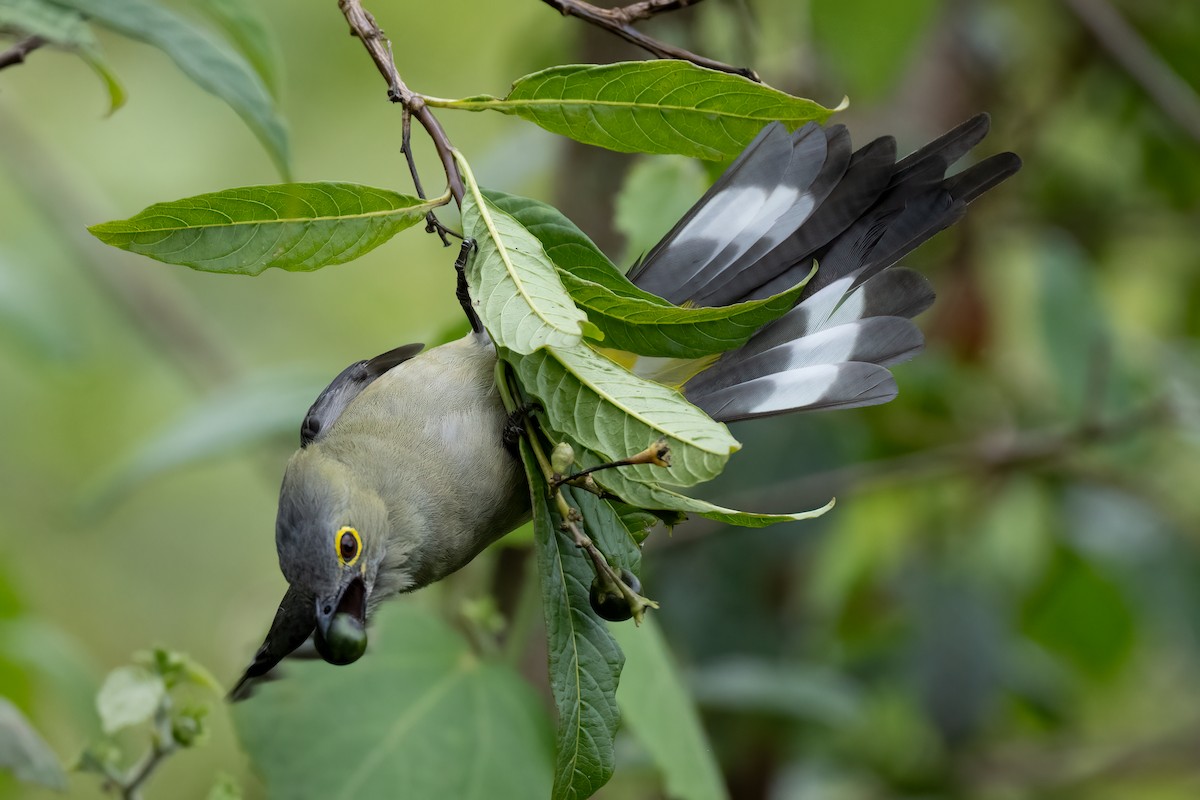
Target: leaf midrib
104, 228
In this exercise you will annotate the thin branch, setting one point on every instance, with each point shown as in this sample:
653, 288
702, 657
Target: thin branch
19, 51
363, 26
619, 22
1173, 95
994, 453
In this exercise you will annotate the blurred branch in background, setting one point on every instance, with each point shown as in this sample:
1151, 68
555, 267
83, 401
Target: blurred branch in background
20, 51
1173, 95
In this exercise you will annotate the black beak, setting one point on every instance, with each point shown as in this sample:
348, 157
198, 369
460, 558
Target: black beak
341, 635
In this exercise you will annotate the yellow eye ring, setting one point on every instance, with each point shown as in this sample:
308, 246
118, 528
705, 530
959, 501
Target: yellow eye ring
348, 546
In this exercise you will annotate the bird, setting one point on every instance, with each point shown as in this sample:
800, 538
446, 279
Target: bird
403, 475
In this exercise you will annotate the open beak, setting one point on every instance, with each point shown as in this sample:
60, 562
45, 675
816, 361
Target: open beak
341, 635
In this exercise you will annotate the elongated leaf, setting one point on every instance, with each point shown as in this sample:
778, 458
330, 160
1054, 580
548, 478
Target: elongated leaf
656, 706
600, 405
242, 21
648, 107
236, 418
585, 662
645, 495
419, 716
298, 227
25, 753
65, 28
632, 319
607, 529
203, 58
515, 288
651, 329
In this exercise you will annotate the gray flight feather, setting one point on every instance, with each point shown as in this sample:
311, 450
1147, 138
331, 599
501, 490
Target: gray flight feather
775, 213
331, 402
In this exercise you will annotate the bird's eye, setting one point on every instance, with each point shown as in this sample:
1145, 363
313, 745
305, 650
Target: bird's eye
348, 545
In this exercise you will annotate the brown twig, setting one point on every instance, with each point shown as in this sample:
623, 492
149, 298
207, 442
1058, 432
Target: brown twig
619, 21
363, 26
19, 51
1170, 92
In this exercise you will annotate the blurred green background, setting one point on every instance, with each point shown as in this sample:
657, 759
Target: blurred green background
1005, 602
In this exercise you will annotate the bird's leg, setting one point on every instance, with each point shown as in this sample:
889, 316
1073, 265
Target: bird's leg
514, 427
461, 291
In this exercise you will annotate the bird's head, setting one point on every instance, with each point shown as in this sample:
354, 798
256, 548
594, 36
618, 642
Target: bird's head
331, 534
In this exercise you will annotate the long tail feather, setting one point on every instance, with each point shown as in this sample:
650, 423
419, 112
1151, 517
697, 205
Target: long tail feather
790, 200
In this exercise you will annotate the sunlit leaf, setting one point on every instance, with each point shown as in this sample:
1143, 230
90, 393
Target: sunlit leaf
129, 696
585, 662
515, 288
297, 227
203, 58
648, 107
24, 753
418, 716
656, 706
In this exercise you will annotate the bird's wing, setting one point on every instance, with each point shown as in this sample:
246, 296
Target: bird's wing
331, 402
790, 200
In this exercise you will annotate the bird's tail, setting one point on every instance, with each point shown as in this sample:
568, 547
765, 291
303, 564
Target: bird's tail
792, 200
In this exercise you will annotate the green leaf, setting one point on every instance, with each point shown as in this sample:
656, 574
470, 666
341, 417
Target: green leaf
594, 402
64, 28
298, 227
645, 495
648, 107
24, 753
243, 22
657, 708
515, 288
633, 319
418, 716
129, 696
585, 662
203, 58
1083, 616
651, 329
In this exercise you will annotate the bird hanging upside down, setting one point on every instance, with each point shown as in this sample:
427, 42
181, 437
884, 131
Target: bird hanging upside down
402, 476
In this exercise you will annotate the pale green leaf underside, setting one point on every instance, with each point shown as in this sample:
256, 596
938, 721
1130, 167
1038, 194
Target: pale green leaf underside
298, 227
418, 716
649, 107
514, 286
656, 707
585, 662
633, 319
209, 62
600, 405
